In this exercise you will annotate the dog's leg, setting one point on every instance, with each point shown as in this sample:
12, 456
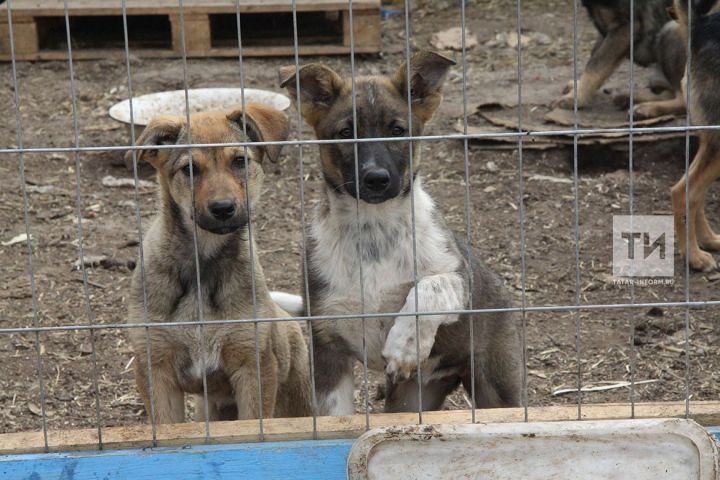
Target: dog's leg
673, 106
334, 381
403, 396
294, 397
707, 238
167, 397
496, 385
435, 293
245, 387
622, 100
571, 84
603, 62
704, 169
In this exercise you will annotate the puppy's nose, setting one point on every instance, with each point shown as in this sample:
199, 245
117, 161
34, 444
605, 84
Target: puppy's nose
377, 180
222, 209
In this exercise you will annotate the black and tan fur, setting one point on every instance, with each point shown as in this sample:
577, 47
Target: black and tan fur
364, 222
703, 79
169, 293
657, 41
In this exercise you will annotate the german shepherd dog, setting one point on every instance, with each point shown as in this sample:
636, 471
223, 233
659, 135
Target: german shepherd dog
365, 221
226, 353
703, 79
657, 41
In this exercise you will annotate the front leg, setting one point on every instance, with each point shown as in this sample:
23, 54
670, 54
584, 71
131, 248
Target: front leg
673, 106
435, 293
167, 397
605, 58
333, 361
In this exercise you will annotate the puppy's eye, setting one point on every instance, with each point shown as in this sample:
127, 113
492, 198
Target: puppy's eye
195, 170
239, 162
397, 131
346, 132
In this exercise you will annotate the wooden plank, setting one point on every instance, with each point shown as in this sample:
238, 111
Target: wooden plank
54, 8
248, 51
322, 459
366, 28
25, 37
139, 436
197, 33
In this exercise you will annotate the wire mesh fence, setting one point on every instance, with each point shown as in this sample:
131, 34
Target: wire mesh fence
574, 307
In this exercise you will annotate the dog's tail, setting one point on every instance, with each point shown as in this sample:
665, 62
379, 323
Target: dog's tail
293, 304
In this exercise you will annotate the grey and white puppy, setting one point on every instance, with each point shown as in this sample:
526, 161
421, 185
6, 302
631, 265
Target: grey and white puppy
377, 233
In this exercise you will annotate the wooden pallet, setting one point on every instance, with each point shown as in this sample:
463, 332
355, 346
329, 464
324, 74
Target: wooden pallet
154, 28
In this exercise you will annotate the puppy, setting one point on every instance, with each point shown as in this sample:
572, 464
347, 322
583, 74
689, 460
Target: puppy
656, 41
224, 352
366, 222
703, 77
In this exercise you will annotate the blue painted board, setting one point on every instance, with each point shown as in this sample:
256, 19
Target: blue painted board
324, 459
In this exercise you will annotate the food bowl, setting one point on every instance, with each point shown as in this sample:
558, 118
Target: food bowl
200, 99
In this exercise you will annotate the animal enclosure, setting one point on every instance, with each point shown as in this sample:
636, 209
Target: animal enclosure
532, 188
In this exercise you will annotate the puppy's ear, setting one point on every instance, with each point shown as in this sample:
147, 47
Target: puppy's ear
427, 74
162, 130
264, 124
320, 86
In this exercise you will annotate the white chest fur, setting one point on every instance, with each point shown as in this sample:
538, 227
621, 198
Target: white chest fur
375, 242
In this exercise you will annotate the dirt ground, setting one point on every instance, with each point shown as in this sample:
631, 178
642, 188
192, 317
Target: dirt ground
603, 351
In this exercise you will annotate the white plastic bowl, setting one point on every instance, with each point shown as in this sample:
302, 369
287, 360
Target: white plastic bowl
200, 99
658, 449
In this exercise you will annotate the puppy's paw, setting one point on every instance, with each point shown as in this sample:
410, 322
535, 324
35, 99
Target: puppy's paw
710, 243
646, 110
567, 102
401, 349
702, 261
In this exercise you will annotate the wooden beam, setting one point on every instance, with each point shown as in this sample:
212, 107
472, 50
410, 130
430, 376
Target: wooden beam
278, 429
197, 33
366, 29
25, 37
53, 8
248, 51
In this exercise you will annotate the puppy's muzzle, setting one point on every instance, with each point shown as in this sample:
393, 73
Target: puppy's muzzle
222, 209
376, 180
222, 217
377, 185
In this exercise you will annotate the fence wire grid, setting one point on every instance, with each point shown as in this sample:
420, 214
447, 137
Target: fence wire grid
299, 151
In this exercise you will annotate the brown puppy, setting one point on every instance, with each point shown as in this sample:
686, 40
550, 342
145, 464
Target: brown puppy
703, 78
226, 353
